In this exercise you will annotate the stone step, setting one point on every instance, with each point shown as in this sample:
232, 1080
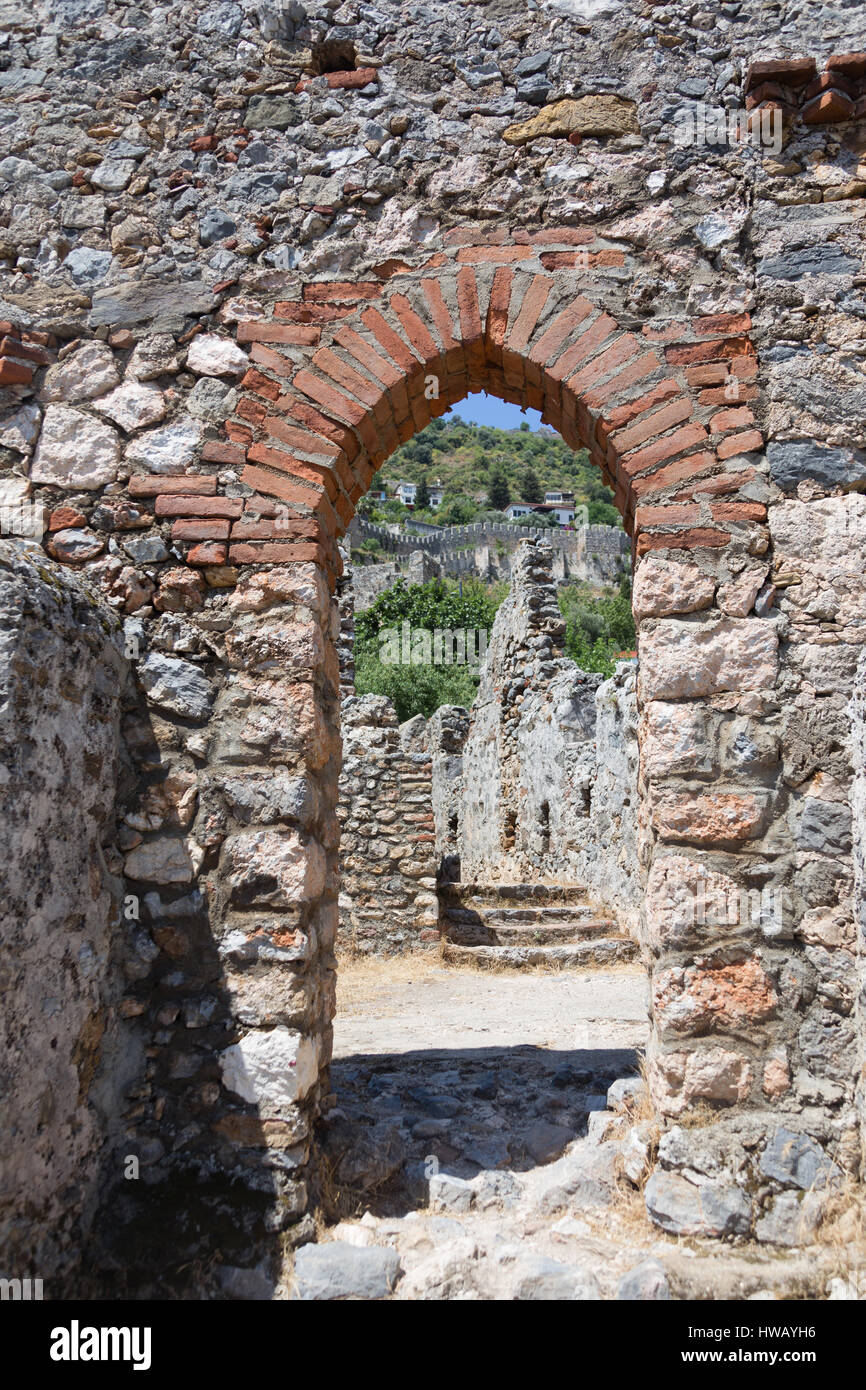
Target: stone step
523, 894
495, 916
604, 951
475, 933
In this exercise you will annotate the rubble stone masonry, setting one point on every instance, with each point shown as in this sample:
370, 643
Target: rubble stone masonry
234, 280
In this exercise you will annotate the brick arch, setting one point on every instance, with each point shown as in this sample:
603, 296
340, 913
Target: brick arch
348, 371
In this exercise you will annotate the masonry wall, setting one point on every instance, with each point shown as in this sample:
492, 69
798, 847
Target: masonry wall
228, 282
550, 764
388, 857
67, 1053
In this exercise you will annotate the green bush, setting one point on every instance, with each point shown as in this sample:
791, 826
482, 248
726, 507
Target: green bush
437, 604
599, 625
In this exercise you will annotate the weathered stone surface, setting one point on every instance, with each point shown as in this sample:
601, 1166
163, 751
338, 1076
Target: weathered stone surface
163, 305
797, 1160
679, 1078
722, 818
88, 372
61, 679
75, 451
794, 461
662, 587
176, 685
272, 1070
210, 355
132, 406
590, 115
646, 1281
340, 1271
168, 450
684, 660
688, 1209
163, 860
274, 868
698, 998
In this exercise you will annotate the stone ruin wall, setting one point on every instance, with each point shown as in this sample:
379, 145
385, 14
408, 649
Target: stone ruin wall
388, 858
226, 282
68, 1051
550, 765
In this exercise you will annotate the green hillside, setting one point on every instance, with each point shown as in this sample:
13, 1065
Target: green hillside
482, 469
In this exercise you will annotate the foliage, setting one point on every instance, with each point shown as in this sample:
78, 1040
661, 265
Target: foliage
498, 489
470, 459
599, 624
436, 604
530, 487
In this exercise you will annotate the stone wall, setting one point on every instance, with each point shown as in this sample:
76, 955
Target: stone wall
233, 284
858, 808
550, 765
68, 1055
388, 857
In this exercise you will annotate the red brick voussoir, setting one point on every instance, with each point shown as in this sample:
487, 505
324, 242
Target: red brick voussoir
346, 371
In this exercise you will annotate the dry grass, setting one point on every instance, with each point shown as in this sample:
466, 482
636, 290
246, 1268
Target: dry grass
361, 979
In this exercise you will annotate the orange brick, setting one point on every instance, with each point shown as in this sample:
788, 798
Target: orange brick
215, 451
496, 255
266, 331
652, 425
740, 444
731, 419
179, 505
673, 473
299, 438
720, 348
497, 310
325, 394
665, 448
141, 485
634, 371
716, 395
738, 511
532, 303
416, 330
695, 539
261, 384
708, 374
340, 291
209, 553
586, 343
195, 530
564, 324
672, 515
722, 323
390, 340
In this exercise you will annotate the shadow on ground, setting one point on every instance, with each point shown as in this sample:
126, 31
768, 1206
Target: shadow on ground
397, 1118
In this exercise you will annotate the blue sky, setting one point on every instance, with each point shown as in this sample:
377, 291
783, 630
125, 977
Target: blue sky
482, 409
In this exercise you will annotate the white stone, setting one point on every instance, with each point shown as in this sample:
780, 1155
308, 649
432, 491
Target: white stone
75, 451
272, 1070
681, 660
113, 175
168, 450
210, 355
20, 430
154, 356
132, 406
164, 860
88, 372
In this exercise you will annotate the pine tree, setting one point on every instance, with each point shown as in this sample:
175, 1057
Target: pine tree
422, 495
498, 491
530, 487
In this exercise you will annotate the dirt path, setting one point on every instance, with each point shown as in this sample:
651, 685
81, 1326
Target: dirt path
415, 1004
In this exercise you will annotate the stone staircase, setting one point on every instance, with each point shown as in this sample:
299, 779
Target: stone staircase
528, 924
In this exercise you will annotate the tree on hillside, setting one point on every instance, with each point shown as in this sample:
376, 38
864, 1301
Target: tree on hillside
422, 495
498, 491
530, 487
